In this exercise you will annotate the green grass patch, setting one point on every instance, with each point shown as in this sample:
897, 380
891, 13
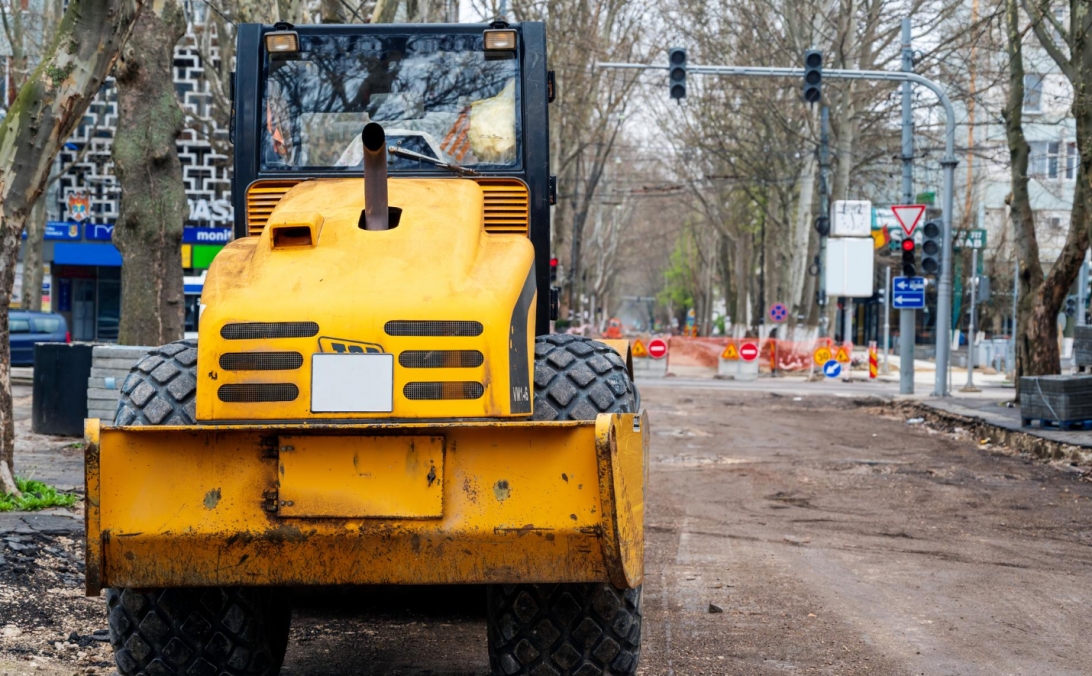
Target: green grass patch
36, 495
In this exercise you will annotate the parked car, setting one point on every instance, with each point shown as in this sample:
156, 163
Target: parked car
29, 328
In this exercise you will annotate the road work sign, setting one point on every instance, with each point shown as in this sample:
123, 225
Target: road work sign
822, 356
908, 293
730, 353
832, 369
842, 355
908, 215
639, 349
657, 348
748, 351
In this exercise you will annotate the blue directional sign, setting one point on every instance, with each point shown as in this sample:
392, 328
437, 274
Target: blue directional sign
908, 293
832, 369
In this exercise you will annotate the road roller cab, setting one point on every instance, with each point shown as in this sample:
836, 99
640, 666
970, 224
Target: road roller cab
374, 396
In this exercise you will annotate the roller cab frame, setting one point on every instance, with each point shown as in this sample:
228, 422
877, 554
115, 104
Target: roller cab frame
437, 471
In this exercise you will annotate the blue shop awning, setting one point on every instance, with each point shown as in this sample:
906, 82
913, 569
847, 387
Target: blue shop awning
106, 255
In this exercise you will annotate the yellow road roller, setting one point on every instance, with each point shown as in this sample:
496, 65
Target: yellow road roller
375, 397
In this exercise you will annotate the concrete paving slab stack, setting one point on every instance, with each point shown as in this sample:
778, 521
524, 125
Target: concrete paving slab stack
110, 365
1056, 398
1082, 346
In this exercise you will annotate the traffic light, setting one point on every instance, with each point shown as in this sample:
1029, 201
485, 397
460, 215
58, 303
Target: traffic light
813, 76
676, 78
1070, 306
553, 270
909, 258
931, 245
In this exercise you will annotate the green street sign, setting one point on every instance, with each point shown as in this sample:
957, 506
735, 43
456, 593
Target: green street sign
969, 239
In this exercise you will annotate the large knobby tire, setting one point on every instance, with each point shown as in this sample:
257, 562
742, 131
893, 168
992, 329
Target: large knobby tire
161, 388
569, 629
213, 631
577, 378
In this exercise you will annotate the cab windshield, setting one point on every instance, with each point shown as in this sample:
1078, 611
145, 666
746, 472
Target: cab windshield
439, 95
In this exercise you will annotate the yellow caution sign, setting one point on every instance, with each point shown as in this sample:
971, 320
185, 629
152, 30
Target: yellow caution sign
639, 349
842, 357
822, 356
730, 353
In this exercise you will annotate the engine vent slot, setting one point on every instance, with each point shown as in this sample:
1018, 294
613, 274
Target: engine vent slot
441, 359
261, 361
253, 393
506, 206
433, 329
261, 198
447, 390
257, 330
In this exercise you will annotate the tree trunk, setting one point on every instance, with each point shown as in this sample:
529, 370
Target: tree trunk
1041, 298
153, 199
45, 113
32, 256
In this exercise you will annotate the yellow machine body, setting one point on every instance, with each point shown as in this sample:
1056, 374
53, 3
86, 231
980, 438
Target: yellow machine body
443, 490
363, 503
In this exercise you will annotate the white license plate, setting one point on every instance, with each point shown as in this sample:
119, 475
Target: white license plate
352, 383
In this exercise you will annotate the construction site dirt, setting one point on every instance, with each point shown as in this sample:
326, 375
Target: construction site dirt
800, 534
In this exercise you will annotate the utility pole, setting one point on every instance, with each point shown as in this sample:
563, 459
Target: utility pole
907, 318
1082, 291
969, 387
824, 214
886, 318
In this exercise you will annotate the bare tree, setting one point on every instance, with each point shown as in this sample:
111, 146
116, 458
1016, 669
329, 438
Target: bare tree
1041, 296
153, 206
44, 114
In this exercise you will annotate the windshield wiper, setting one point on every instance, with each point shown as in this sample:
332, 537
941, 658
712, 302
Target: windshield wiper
450, 166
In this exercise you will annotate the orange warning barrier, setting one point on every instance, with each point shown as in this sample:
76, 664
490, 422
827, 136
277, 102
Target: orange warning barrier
786, 355
873, 361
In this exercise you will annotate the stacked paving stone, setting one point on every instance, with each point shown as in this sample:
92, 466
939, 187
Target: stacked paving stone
1082, 346
1062, 401
110, 365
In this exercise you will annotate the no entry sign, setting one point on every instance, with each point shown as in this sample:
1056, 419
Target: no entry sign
748, 351
657, 348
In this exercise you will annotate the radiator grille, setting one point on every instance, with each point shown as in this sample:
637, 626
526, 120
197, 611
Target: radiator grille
455, 390
261, 361
440, 359
257, 393
506, 206
256, 330
435, 329
261, 198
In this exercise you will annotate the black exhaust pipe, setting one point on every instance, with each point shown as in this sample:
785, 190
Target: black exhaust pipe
376, 211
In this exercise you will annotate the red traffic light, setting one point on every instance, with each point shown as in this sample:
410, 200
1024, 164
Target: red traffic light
907, 244
553, 262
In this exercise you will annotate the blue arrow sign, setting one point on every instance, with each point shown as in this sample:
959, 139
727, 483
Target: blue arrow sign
908, 300
909, 284
832, 369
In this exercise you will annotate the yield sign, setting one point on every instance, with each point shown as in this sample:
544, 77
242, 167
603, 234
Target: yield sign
908, 215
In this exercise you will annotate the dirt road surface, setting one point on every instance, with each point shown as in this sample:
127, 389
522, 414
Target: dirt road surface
786, 534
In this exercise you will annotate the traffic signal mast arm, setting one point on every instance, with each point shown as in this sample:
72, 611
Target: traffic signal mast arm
949, 162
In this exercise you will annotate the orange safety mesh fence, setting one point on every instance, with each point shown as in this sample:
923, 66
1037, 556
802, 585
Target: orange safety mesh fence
705, 352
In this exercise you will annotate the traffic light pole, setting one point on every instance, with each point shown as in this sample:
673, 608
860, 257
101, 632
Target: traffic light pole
948, 162
908, 321
824, 212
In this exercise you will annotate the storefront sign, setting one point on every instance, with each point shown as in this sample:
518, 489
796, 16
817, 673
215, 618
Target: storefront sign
58, 230
212, 211
99, 232
194, 235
